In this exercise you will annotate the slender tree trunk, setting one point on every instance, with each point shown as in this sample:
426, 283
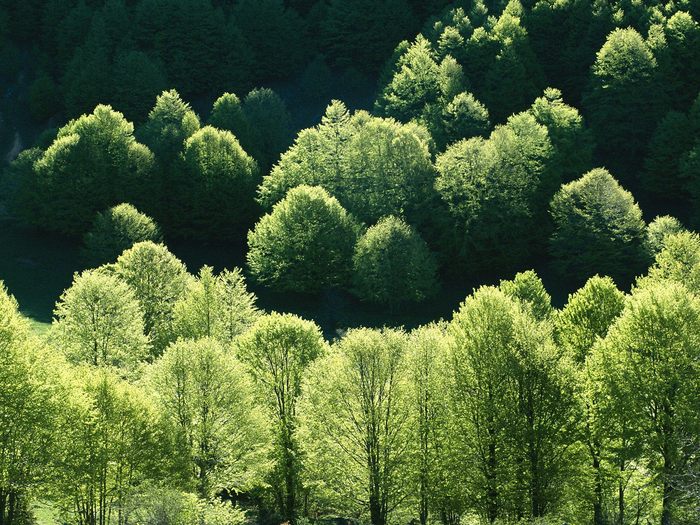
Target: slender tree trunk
492, 490
598, 490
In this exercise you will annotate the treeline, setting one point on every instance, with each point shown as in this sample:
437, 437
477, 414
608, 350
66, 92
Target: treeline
466, 158
162, 397
124, 52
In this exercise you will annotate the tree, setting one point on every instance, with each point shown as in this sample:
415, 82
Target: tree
305, 243
356, 425
93, 164
31, 401
656, 345
464, 117
528, 289
215, 173
598, 228
215, 306
571, 140
583, 323
158, 280
269, 127
115, 230
623, 99
227, 114
374, 167
494, 190
432, 452
277, 351
657, 231
678, 260
207, 400
511, 392
110, 446
393, 264
169, 124
99, 322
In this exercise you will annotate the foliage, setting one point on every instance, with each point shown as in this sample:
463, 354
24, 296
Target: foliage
158, 280
215, 306
494, 190
598, 228
277, 351
115, 230
305, 244
207, 400
356, 425
374, 167
658, 230
215, 172
393, 264
93, 164
99, 322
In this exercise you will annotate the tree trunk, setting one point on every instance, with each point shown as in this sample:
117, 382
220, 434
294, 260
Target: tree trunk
598, 491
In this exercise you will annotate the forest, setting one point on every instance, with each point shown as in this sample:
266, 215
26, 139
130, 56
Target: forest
349, 262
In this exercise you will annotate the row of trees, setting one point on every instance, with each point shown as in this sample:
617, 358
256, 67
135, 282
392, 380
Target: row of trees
157, 393
487, 203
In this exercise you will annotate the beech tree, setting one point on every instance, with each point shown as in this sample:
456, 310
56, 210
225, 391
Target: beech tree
215, 306
304, 244
356, 425
598, 228
207, 400
656, 343
115, 230
31, 402
277, 351
392, 264
99, 322
158, 279
374, 167
93, 164
215, 188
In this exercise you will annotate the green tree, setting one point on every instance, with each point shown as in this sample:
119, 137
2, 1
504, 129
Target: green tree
529, 290
115, 230
512, 395
31, 400
169, 124
393, 264
464, 117
227, 114
657, 231
656, 343
304, 244
269, 127
571, 140
598, 228
158, 280
110, 446
208, 401
215, 306
215, 173
277, 351
434, 462
495, 190
623, 100
374, 167
678, 260
99, 322
356, 425
93, 164
583, 323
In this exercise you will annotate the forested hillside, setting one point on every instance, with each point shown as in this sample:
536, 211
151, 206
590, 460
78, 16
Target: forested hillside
271, 207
